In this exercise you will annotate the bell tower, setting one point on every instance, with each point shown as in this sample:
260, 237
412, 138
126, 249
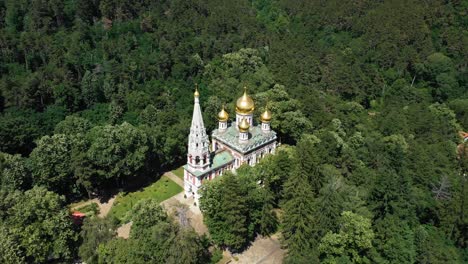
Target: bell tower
198, 157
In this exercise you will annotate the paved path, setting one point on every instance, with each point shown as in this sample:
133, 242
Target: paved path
174, 178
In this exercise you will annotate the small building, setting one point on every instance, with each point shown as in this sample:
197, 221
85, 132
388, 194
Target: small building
232, 144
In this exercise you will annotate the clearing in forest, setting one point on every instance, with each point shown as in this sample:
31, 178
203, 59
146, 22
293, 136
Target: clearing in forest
161, 190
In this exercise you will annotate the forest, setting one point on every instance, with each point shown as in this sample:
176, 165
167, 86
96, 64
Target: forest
368, 100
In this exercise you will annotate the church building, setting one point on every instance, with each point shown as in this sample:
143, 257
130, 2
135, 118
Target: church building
232, 143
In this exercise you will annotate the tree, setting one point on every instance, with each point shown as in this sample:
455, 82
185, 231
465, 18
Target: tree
14, 173
94, 232
335, 197
308, 163
73, 125
145, 214
440, 72
351, 243
18, 129
394, 240
38, 220
225, 212
298, 220
433, 247
267, 222
10, 248
117, 151
154, 237
51, 163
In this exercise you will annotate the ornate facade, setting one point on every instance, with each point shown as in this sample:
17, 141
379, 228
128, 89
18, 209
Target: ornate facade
232, 145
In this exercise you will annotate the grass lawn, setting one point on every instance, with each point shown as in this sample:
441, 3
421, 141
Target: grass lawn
161, 190
179, 172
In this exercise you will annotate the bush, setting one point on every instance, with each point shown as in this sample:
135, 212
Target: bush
216, 256
89, 209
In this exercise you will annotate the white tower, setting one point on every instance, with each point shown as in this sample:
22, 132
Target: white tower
265, 117
198, 157
223, 117
244, 109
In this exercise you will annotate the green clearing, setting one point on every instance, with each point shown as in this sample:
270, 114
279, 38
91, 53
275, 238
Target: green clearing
179, 172
161, 190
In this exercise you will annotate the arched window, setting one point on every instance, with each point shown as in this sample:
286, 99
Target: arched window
197, 160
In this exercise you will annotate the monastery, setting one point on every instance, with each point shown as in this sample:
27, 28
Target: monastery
232, 144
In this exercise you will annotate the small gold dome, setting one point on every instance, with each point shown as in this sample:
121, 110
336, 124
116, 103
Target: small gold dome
244, 125
245, 104
265, 116
196, 93
223, 116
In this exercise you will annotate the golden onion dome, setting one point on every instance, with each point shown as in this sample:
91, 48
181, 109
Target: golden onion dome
223, 116
196, 93
265, 116
244, 125
245, 104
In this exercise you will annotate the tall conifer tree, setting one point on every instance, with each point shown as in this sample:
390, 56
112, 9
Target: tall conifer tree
298, 218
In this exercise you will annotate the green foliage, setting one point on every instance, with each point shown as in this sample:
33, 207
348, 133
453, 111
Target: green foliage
51, 163
145, 214
432, 247
40, 225
394, 240
9, 245
117, 151
225, 212
298, 221
94, 232
159, 191
14, 173
372, 92
352, 242
217, 255
73, 125
154, 239
90, 210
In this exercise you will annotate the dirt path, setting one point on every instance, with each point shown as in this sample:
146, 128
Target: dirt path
124, 230
263, 250
194, 215
174, 178
104, 208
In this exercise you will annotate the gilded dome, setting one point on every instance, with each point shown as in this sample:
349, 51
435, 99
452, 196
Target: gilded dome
265, 116
244, 125
245, 104
223, 116
196, 93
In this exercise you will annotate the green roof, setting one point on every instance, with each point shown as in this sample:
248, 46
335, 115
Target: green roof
257, 138
219, 160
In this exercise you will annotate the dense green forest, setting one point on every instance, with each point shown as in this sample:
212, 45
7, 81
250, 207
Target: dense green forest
367, 98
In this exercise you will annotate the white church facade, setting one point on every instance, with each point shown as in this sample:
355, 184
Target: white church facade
241, 142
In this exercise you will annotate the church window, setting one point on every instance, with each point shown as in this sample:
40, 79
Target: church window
197, 160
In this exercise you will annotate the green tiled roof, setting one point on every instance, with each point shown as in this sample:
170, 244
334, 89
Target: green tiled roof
219, 160
257, 138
